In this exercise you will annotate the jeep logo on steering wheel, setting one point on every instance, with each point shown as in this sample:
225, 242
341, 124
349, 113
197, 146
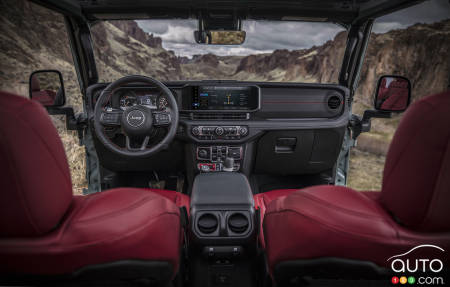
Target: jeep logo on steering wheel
135, 118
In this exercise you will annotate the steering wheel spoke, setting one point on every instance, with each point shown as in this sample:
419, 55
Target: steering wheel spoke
142, 147
161, 119
111, 118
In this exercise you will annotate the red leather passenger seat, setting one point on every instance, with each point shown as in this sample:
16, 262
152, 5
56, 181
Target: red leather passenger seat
412, 208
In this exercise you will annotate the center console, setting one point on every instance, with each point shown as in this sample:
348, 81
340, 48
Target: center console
223, 230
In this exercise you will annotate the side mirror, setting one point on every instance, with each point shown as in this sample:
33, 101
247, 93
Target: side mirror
219, 37
393, 94
47, 88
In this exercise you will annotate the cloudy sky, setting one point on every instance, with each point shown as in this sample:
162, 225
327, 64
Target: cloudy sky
264, 37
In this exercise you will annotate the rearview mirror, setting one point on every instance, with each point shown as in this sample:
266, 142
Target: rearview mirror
46, 87
393, 94
219, 37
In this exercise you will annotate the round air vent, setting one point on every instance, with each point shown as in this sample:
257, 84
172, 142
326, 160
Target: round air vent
207, 223
334, 102
238, 223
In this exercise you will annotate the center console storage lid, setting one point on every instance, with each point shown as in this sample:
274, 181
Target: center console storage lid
221, 188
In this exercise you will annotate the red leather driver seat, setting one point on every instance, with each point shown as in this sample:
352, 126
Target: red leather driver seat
309, 229
123, 233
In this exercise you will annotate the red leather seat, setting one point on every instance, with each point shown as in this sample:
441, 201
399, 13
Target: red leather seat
411, 209
262, 200
45, 230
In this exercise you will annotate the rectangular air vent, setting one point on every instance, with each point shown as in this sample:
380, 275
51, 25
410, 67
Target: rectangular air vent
220, 116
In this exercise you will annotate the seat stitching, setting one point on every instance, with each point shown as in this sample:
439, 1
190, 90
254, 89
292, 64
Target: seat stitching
335, 228
116, 212
71, 247
326, 203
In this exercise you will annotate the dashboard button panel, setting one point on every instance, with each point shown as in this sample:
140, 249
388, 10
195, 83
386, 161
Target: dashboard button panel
219, 132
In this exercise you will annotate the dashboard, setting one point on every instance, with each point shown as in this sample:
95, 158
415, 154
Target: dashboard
274, 128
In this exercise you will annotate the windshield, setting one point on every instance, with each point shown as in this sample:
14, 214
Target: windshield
166, 49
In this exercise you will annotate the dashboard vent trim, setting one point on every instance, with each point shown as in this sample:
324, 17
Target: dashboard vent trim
220, 116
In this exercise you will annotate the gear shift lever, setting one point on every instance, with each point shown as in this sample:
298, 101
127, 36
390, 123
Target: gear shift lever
228, 165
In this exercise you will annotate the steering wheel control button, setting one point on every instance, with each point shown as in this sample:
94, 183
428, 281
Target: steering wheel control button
135, 118
162, 118
110, 118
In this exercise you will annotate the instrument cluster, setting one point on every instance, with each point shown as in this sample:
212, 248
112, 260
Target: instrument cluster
150, 98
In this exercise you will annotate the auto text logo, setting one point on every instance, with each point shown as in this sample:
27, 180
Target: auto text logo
419, 271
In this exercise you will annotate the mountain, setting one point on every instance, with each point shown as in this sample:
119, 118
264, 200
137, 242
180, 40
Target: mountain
122, 48
317, 64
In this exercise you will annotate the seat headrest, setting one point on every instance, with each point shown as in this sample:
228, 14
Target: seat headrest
416, 179
36, 187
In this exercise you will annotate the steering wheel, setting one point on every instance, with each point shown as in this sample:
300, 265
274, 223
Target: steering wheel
137, 122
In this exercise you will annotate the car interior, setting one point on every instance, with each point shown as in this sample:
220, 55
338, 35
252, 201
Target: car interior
215, 182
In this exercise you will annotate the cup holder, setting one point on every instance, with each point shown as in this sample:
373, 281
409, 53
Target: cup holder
238, 223
207, 223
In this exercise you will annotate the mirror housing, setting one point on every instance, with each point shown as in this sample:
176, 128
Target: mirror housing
393, 94
47, 88
219, 28
210, 37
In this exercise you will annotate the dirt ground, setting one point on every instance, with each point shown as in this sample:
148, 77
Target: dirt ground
366, 170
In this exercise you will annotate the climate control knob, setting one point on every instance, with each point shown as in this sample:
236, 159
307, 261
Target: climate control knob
243, 131
219, 131
195, 131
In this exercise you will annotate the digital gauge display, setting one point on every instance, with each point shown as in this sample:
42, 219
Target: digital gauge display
129, 97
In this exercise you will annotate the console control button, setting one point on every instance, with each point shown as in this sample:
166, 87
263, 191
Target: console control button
234, 152
208, 167
243, 131
203, 153
219, 131
195, 131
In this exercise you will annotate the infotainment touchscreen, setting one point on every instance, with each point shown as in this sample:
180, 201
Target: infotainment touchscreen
225, 98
